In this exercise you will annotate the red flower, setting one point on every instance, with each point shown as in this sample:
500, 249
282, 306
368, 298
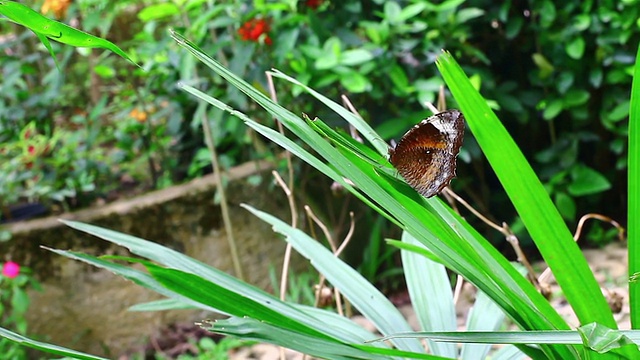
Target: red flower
253, 30
10, 269
313, 4
31, 149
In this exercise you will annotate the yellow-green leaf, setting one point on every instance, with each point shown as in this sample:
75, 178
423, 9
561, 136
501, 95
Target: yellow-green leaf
45, 28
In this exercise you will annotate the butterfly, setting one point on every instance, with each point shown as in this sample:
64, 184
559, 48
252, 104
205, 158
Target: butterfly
426, 155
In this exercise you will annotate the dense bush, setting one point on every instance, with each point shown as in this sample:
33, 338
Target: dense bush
562, 77
558, 74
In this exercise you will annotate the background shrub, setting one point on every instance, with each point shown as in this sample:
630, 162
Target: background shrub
558, 74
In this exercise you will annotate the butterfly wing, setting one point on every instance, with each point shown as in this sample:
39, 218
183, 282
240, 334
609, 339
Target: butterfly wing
426, 154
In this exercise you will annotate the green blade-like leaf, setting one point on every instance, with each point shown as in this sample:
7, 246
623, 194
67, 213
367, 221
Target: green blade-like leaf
342, 139
362, 294
192, 290
43, 26
364, 128
285, 143
633, 197
418, 249
136, 276
225, 300
602, 339
251, 329
512, 337
176, 260
431, 296
540, 216
161, 305
292, 122
485, 315
47, 44
509, 352
49, 348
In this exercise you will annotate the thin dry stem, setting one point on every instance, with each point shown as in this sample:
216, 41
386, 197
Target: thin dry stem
451, 201
339, 302
343, 245
325, 230
442, 100
289, 194
224, 205
352, 130
458, 288
450, 192
504, 229
544, 277
347, 238
292, 204
600, 217
432, 108
515, 243
323, 227
287, 252
336, 251
288, 190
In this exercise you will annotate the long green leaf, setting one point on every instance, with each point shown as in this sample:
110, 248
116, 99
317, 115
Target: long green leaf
431, 297
485, 315
49, 348
285, 143
161, 305
224, 300
230, 302
175, 260
540, 216
376, 141
292, 122
633, 196
362, 294
253, 330
46, 28
497, 337
193, 290
526, 337
136, 276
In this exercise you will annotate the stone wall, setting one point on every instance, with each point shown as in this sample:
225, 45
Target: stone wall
85, 308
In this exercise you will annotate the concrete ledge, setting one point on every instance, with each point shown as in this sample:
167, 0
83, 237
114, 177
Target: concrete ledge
125, 206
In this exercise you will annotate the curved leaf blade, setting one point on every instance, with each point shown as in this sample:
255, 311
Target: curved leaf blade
45, 27
541, 218
49, 348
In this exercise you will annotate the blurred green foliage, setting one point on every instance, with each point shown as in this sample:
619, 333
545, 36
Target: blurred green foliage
561, 74
558, 74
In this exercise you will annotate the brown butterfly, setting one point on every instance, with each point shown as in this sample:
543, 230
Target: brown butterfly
426, 154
